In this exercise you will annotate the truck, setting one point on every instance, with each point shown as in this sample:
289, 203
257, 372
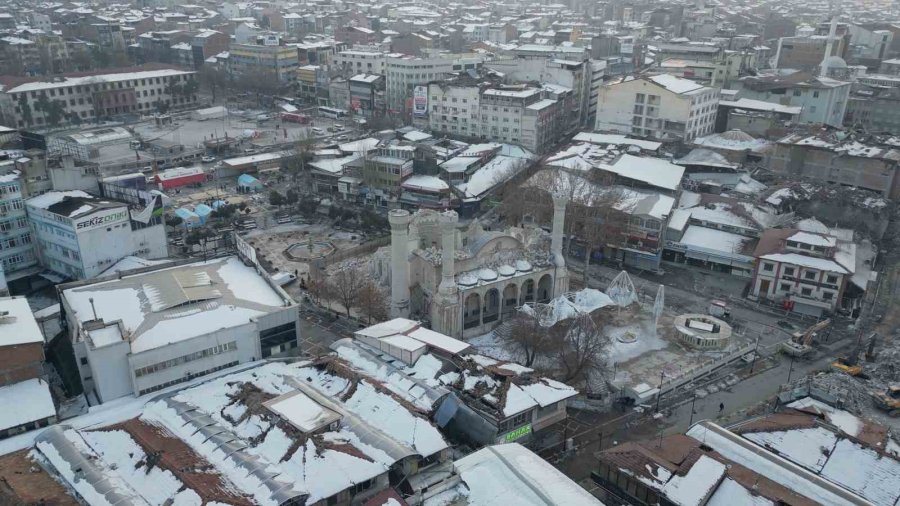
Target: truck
295, 117
719, 309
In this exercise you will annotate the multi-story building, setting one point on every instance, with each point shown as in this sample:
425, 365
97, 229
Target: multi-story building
803, 271
16, 241
207, 44
403, 73
874, 108
78, 235
353, 61
139, 333
384, 168
260, 60
660, 106
19, 56
577, 75
312, 84
527, 116
831, 160
823, 100
88, 97
367, 95
807, 52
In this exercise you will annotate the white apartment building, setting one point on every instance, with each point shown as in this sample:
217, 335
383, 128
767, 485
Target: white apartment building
403, 73
661, 107
357, 62
90, 98
78, 235
136, 334
516, 115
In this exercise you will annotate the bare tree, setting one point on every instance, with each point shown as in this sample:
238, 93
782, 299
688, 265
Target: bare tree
582, 346
527, 333
373, 302
317, 289
345, 284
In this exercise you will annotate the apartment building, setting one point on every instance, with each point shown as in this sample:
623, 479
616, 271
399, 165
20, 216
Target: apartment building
91, 96
660, 107
527, 116
17, 254
403, 73
264, 60
355, 62
384, 169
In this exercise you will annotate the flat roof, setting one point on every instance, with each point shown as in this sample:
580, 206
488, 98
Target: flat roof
174, 304
653, 171
31, 399
65, 82
17, 324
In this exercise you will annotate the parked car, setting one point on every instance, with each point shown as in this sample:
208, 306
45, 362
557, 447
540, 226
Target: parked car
208, 159
318, 131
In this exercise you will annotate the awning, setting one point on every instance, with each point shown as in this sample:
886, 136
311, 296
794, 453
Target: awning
52, 277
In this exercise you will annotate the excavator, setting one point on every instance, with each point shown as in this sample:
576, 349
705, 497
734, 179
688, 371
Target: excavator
850, 364
800, 343
888, 400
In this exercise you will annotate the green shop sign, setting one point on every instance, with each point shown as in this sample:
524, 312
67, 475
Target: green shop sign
516, 434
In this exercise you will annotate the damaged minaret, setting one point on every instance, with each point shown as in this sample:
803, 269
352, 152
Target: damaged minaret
399, 220
561, 274
445, 313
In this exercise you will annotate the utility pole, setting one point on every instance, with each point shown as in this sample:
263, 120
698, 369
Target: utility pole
755, 354
659, 395
693, 400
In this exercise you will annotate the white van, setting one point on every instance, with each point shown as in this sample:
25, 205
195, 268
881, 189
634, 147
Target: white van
283, 278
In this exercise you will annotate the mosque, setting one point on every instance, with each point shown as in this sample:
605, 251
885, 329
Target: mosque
466, 281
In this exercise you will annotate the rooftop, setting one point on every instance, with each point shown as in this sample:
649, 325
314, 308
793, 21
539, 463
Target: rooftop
17, 325
15, 85
174, 304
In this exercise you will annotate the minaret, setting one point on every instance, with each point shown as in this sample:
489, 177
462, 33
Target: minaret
449, 220
561, 276
446, 311
399, 220
832, 33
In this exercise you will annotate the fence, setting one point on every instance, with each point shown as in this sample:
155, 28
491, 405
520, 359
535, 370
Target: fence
362, 249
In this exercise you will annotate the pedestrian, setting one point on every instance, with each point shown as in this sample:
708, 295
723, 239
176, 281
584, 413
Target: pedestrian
721, 407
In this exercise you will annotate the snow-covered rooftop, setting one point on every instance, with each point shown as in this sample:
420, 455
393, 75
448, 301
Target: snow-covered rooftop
512, 474
95, 79
653, 171
177, 303
25, 402
17, 324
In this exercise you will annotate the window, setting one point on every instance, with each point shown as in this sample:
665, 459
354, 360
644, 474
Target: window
827, 295
815, 94
785, 287
788, 271
797, 93
831, 279
809, 275
806, 292
84, 361
768, 267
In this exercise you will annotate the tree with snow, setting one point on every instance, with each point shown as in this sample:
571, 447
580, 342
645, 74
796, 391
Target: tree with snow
345, 284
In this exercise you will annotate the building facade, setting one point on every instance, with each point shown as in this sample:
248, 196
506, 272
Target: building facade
78, 236
659, 107
83, 99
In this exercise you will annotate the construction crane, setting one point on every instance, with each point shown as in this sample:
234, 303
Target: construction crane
800, 343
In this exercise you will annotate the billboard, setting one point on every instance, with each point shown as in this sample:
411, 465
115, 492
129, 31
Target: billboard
102, 219
420, 101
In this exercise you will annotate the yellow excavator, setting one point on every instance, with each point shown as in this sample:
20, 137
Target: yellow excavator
888, 400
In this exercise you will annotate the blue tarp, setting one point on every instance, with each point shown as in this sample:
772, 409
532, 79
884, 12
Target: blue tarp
219, 203
202, 210
249, 182
191, 219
